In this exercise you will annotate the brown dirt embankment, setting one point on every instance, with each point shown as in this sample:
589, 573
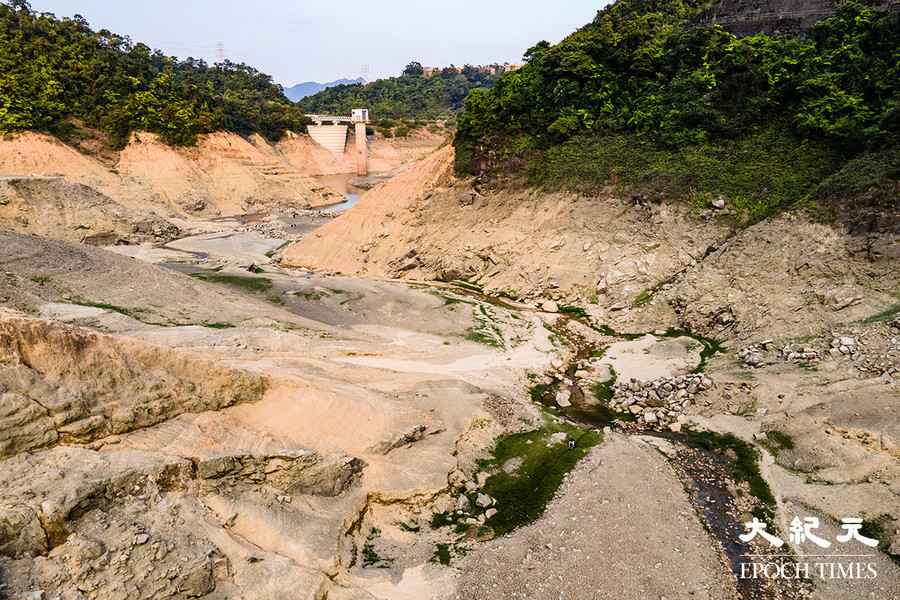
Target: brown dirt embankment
621, 257
67, 384
56, 208
426, 224
384, 154
225, 174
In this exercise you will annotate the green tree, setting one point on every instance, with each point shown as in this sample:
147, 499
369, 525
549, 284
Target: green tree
414, 69
55, 73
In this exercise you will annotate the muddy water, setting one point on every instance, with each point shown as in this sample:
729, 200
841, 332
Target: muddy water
706, 473
342, 184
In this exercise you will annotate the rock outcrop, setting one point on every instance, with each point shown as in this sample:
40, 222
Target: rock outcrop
65, 384
792, 17
56, 208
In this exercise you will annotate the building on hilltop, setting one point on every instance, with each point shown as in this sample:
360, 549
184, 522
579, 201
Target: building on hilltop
492, 69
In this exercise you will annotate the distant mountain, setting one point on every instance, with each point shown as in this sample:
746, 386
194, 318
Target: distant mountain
308, 88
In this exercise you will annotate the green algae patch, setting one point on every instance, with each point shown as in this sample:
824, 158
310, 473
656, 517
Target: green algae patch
711, 346
743, 464
251, 284
523, 493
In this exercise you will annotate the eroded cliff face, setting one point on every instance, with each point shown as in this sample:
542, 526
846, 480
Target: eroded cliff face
224, 175
64, 384
791, 17
621, 257
57, 208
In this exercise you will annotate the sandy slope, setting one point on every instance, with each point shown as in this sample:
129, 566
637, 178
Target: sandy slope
384, 154
370, 220
224, 175
425, 224
54, 207
784, 276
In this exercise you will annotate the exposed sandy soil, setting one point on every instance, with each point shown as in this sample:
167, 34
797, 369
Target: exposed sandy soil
385, 154
424, 224
613, 495
209, 488
224, 175
54, 207
292, 434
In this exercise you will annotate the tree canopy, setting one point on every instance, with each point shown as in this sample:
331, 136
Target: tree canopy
412, 95
54, 71
645, 70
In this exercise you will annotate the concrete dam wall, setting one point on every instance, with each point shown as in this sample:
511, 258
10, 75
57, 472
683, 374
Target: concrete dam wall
331, 137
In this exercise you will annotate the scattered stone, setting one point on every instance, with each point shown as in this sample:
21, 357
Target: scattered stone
564, 398
719, 203
659, 404
557, 438
513, 464
753, 356
407, 438
484, 501
550, 306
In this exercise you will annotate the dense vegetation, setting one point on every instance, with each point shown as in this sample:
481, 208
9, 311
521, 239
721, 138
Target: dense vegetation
412, 95
57, 75
644, 96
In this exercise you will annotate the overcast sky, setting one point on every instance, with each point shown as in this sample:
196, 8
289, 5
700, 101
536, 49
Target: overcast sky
303, 40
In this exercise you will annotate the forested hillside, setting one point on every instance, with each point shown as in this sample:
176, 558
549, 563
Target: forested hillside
643, 95
59, 76
412, 95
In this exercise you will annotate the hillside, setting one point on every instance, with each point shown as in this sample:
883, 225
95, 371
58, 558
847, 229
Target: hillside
644, 97
747, 17
412, 95
300, 91
225, 174
647, 303
115, 86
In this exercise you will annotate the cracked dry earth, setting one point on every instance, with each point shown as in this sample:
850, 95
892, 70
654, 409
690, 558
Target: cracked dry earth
173, 426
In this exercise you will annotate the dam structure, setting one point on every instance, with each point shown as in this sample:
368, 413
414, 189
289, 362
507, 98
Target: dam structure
330, 132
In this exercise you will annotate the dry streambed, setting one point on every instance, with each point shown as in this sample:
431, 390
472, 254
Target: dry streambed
392, 451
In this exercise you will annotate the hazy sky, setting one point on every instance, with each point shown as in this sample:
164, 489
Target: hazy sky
322, 40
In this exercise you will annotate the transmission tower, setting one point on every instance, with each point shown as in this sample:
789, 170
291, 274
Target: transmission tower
220, 52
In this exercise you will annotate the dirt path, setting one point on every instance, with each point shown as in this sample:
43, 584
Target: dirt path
624, 513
